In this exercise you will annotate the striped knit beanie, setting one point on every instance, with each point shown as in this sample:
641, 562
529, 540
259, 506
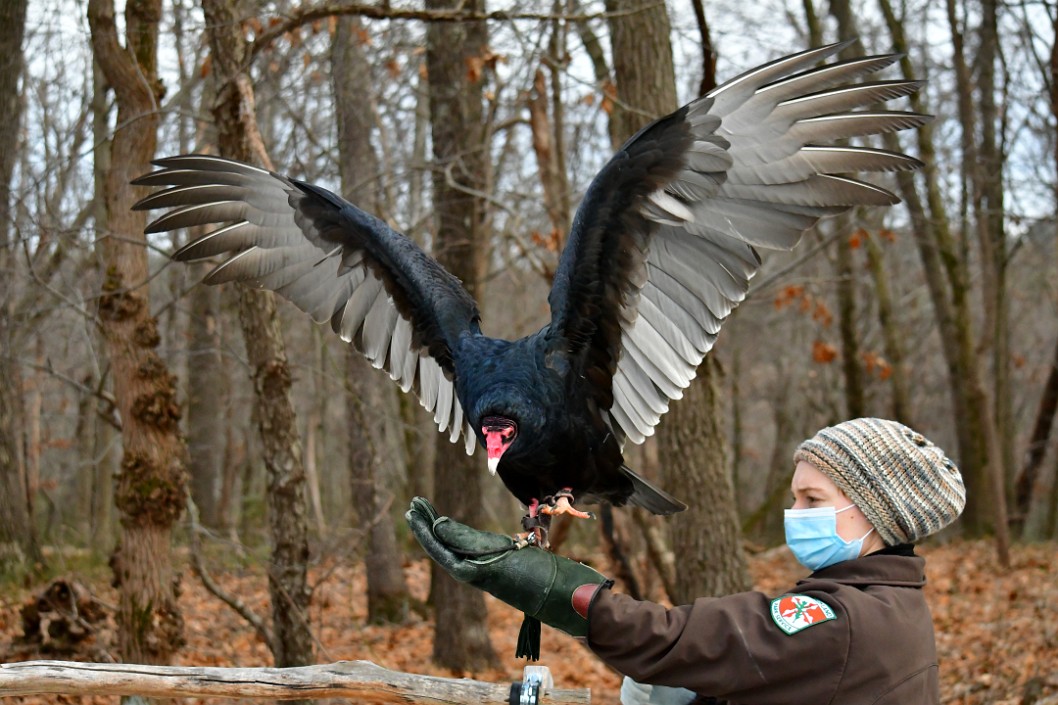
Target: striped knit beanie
904, 484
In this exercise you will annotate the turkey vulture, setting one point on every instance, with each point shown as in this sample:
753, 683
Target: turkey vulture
661, 250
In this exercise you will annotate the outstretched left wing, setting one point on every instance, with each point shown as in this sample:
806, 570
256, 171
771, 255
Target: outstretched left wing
376, 287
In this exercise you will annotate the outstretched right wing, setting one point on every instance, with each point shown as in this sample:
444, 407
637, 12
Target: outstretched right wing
378, 289
664, 243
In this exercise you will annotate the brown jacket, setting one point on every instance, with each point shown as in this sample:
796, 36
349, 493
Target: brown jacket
873, 646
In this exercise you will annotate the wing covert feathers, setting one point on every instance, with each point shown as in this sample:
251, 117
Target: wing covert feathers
664, 244
374, 286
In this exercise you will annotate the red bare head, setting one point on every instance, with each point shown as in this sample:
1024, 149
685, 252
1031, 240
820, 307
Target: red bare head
499, 433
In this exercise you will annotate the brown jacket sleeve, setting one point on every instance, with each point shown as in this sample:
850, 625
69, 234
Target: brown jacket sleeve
725, 647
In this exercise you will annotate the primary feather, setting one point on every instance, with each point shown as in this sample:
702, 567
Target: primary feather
661, 250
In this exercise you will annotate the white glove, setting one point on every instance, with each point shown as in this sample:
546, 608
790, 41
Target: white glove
633, 693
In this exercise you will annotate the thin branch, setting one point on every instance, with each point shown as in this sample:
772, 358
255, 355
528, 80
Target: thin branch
211, 585
108, 414
823, 243
658, 550
310, 13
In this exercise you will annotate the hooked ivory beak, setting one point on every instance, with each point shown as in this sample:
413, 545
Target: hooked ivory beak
499, 434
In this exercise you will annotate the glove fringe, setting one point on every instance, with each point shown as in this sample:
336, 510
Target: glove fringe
529, 639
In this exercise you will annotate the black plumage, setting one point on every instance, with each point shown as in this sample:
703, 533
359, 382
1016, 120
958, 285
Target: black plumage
660, 251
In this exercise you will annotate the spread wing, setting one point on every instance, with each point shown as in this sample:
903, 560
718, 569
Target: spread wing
375, 286
662, 247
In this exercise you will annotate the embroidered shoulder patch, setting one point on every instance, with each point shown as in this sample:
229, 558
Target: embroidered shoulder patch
795, 613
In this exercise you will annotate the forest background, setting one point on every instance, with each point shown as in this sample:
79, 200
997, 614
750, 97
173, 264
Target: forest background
213, 452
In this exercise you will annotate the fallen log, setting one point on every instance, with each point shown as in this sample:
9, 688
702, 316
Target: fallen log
360, 680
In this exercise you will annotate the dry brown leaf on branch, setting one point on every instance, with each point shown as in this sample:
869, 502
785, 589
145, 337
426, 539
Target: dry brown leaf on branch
823, 353
857, 238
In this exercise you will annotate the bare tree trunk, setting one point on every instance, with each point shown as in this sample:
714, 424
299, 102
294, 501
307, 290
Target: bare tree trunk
228, 505
593, 47
1049, 506
419, 431
315, 435
642, 64
287, 504
548, 136
12, 31
461, 639
947, 279
707, 537
84, 467
848, 316
373, 460
84, 463
992, 235
967, 117
32, 408
544, 149
150, 487
990, 419
851, 368
104, 448
107, 462
813, 24
206, 407
375, 453
1033, 487
1034, 491
645, 89
18, 544
894, 350
239, 138
708, 81
988, 213
692, 448
768, 516
737, 446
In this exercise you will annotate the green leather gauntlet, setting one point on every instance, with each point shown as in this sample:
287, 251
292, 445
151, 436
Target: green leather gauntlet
544, 586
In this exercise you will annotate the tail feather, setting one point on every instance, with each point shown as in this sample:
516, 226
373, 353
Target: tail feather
654, 499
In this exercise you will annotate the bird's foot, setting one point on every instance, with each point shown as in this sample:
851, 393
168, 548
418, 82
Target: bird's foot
536, 525
561, 503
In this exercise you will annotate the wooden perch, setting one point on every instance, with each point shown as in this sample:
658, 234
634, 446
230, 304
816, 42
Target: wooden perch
359, 680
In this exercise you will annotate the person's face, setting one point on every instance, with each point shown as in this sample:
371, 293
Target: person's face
811, 488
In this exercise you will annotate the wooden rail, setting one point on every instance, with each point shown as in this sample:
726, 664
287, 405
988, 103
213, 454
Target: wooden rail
360, 680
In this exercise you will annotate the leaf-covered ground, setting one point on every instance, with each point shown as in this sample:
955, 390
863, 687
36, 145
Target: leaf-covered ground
997, 629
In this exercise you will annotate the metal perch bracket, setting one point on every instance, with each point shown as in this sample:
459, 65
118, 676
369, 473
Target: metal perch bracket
536, 680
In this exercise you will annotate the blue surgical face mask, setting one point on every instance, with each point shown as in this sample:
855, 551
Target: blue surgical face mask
812, 535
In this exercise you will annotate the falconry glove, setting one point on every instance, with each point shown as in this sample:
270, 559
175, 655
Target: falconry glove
554, 590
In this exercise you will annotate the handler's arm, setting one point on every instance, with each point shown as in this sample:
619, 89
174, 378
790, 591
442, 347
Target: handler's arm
727, 647
716, 646
555, 590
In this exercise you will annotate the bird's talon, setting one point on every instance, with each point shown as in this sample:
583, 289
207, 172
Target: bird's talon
524, 539
559, 503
